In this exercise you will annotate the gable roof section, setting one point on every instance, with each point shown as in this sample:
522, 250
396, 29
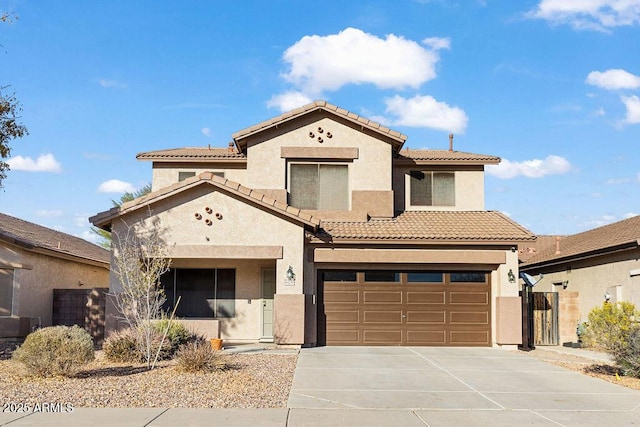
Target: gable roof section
396, 136
41, 239
430, 227
422, 157
104, 219
609, 238
193, 154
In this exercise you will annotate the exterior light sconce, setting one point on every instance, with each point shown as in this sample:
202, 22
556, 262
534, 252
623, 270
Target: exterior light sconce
565, 284
290, 274
511, 276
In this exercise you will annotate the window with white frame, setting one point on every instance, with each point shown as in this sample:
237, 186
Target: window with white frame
6, 292
431, 188
319, 186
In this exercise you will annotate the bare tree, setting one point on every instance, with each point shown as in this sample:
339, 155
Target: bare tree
141, 257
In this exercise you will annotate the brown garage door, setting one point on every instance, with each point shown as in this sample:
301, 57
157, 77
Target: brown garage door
405, 308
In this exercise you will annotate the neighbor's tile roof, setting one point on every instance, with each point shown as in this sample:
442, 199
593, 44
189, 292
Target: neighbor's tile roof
33, 236
528, 250
192, 154
103, 219
320, 105
610, 236
431, 226
446, 155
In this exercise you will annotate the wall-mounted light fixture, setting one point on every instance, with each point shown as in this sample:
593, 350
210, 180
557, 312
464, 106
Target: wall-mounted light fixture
290, 274
511, 276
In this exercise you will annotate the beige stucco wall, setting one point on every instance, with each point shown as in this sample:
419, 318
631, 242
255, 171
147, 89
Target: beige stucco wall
267, 169
240, 225
592, 278
34, 284
165, 176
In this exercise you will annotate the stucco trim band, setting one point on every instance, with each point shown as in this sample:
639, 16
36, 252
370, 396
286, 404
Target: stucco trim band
226, 252
337, 153
408, 256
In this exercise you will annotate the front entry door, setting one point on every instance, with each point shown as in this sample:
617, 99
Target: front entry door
268, 289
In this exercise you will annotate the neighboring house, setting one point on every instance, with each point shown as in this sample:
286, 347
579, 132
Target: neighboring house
315, 228
38, 266
587, 268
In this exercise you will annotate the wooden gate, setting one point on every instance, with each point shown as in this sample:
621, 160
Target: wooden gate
544, 309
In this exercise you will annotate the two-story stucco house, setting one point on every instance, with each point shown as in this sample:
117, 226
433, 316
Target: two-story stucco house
316, 228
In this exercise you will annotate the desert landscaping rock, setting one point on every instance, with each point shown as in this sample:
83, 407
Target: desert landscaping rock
252, 381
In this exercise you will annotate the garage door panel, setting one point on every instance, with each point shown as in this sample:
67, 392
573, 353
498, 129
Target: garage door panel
456, 297
426, 317
341, 297
389, 317
376, 297
343, 337
426, 337
347, 316
469, 317
373, 336
414, 297
469, 337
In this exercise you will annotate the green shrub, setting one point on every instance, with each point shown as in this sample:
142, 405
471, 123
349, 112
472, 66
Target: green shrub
609, 326
122, 347
200, 357
628, 357
56, 350
177, 334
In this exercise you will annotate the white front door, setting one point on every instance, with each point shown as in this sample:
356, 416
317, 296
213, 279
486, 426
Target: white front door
268, 289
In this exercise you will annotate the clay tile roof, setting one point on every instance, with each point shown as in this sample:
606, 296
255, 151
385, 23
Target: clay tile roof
103, 219
192, 154
241, 134
438, 226
33, 236
446, 155
601, 239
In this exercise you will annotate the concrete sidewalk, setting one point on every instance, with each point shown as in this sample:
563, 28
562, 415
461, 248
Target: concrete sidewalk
401, 386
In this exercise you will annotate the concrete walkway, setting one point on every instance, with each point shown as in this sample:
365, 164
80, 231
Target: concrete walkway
401, 386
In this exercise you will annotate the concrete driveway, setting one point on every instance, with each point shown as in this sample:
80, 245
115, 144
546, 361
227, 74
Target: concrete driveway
449, 386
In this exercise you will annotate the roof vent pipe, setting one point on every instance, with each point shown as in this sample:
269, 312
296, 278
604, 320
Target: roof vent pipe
450, 142
557, 245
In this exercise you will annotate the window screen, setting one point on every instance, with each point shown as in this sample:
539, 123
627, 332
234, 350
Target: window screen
202, 292
432, 188
319, 186
6, 292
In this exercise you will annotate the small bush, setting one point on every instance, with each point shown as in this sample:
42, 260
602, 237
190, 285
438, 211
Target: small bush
200, 357
122, 347
609, 326
628, 357
55, 350
177, 334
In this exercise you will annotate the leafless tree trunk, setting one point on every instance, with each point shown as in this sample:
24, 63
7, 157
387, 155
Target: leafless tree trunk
141, 256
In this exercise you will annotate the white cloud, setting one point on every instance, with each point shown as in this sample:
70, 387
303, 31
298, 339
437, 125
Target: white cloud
589, 14
44, 163
111, 84
49, 214
206, 132
116, 186
426, 111
288, 101
437, 43
321, 63
629, 215
551, 165
613, 79
81, 220
633, 109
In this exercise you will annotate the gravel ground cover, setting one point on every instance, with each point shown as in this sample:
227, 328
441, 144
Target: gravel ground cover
604, 371
252, 381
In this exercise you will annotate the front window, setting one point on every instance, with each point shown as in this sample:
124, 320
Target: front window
319, 186
202, 292
432, 188
6, 292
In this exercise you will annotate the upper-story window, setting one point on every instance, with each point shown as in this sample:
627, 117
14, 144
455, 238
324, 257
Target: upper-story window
430, 188
319, 186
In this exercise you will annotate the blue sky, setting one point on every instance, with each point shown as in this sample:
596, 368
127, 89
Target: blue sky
550, 86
